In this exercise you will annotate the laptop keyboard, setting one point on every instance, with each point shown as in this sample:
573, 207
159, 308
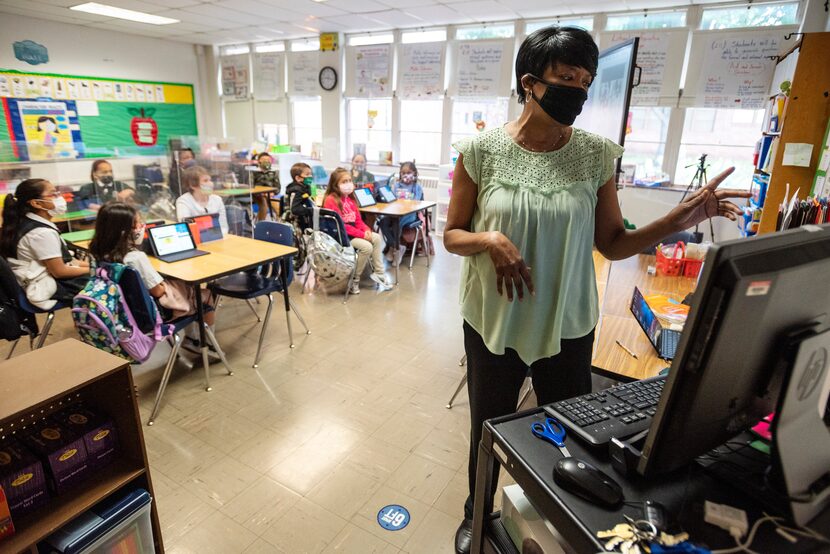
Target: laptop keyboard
620, 411
669, 339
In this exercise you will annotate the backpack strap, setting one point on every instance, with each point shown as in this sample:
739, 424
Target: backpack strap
28, 224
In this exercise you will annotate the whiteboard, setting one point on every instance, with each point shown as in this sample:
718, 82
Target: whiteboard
421, 70
732, 69
303, 74
482, 68
269, 71
660, 55
235, 76
369, 71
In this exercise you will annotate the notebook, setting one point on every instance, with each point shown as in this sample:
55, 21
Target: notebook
173, 243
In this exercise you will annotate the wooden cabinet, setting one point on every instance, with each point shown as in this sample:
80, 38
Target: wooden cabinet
36, 384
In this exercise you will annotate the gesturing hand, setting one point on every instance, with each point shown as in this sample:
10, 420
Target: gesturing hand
708, 202
511, 270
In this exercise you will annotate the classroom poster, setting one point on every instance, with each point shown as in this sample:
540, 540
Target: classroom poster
480, 66
372, 70
268, 75
737, 71
660, 61
47, 116
235, 76
305, 67
421, 70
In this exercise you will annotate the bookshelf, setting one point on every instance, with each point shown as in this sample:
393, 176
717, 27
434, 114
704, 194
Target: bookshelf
804, 120
46, 380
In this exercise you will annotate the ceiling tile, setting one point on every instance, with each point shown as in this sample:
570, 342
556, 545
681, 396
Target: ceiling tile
46, 11
482, 10
219, 13
357, 6
171, 4
206, 22
536, 8
306, 7
407, 3
61, 3
350, 23
438, 15
394, 19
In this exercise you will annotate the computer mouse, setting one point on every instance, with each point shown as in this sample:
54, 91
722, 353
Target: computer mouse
587, 481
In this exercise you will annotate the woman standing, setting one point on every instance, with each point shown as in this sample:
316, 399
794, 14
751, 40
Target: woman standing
529, 201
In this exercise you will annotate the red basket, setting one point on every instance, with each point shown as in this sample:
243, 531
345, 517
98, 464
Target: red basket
691, 268
671, 267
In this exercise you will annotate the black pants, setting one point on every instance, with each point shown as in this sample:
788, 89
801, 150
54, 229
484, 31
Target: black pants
494, 381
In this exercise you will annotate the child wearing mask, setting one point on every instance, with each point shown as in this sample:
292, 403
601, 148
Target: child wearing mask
300, 200
182, 160
102, 188
360, 176
119, 232
407, 188
367, 243
199, 200
265, 177
31, 243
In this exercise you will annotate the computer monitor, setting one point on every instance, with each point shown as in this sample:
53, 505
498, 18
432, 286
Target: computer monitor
606, 111
728, 372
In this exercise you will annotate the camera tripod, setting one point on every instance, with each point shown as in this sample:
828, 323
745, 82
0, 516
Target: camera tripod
698, 182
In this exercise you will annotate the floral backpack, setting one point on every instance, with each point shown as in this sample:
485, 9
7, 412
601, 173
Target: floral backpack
104, 319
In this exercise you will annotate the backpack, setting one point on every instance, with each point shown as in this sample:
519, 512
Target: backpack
14, 320
331, 262
104, 319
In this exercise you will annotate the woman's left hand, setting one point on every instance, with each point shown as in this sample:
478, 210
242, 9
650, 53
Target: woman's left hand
708, 202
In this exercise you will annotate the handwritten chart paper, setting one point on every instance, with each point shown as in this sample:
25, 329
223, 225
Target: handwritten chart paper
268, 75
480, 67
420, 70
372, 70
736, 72
304, 73
235, 76
660, 55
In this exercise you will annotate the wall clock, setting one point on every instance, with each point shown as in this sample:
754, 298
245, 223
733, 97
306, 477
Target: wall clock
328, 78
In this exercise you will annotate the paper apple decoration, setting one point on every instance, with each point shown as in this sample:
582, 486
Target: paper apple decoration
144, 128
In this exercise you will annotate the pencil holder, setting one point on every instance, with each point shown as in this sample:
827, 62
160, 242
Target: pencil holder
670, 259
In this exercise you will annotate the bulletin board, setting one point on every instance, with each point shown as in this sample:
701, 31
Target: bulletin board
48, 116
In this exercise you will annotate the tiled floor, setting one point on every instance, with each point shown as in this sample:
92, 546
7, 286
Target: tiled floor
301, 454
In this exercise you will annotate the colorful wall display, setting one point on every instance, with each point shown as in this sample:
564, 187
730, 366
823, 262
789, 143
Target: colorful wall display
48, 116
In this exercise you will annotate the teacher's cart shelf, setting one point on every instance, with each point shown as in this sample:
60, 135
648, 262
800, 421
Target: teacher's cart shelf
44, 381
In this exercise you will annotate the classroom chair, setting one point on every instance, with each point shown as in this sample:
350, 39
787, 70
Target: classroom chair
423, 234
331, 224
14, 291
265, 281
463, 383
143, 307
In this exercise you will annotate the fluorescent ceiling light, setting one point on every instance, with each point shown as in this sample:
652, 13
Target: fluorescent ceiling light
121, 13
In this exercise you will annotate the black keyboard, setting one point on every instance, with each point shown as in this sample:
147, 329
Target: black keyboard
620, 411
669, 339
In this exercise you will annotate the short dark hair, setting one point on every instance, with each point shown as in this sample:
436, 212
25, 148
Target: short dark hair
113, 232
298, 168
261, 154
411, 166
552, 45
15, 208
95, 165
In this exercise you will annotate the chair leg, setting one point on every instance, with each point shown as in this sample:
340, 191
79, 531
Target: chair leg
176, 343
251, 305
45, 332
290, 330
461, 385
212, 338
424, 238
525, 394
297, 313
305, 281
414, 247
463, 360
351, 278
264, 329
14, 345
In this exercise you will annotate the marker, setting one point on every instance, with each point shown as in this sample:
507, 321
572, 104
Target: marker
627, 349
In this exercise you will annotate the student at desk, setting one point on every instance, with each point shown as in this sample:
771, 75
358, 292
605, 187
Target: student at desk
407, 188
529, 201
265, 177
102, 188
33, 247
199, 200
298, 193
360, 176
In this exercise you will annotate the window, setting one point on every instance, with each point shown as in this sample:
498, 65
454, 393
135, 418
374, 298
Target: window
476, 32
728, 138
236, 49
432, 35
645, 141
273, 47
650, 20
752, 15
305, 45
421, 123
308, 123
471, 116
367, 40
586, 23
369, 124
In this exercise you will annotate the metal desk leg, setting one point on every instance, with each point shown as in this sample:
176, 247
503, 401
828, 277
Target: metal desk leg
396, 232
200, 317
483, 504
270, 206
284, 280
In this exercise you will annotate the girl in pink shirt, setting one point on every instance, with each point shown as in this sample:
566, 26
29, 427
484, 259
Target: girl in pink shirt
366, 242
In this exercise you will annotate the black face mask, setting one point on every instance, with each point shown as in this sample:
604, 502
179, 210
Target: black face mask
560, 102
106, 180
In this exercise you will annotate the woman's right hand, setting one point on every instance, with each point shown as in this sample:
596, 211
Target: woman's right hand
511, 270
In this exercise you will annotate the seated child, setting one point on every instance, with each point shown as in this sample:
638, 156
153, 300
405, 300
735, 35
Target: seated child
367, 243
298, 195
407, 188
199, 200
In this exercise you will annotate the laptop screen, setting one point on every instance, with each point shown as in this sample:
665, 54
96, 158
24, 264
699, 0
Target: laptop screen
364, 197
387, 194
645, 317
172, 239
208, 226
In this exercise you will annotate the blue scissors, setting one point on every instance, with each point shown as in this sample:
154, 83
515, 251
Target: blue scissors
551, 431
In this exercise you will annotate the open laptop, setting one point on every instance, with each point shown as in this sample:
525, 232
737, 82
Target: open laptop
385, 194
364, 198
208, 226
174, 243
663, 339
